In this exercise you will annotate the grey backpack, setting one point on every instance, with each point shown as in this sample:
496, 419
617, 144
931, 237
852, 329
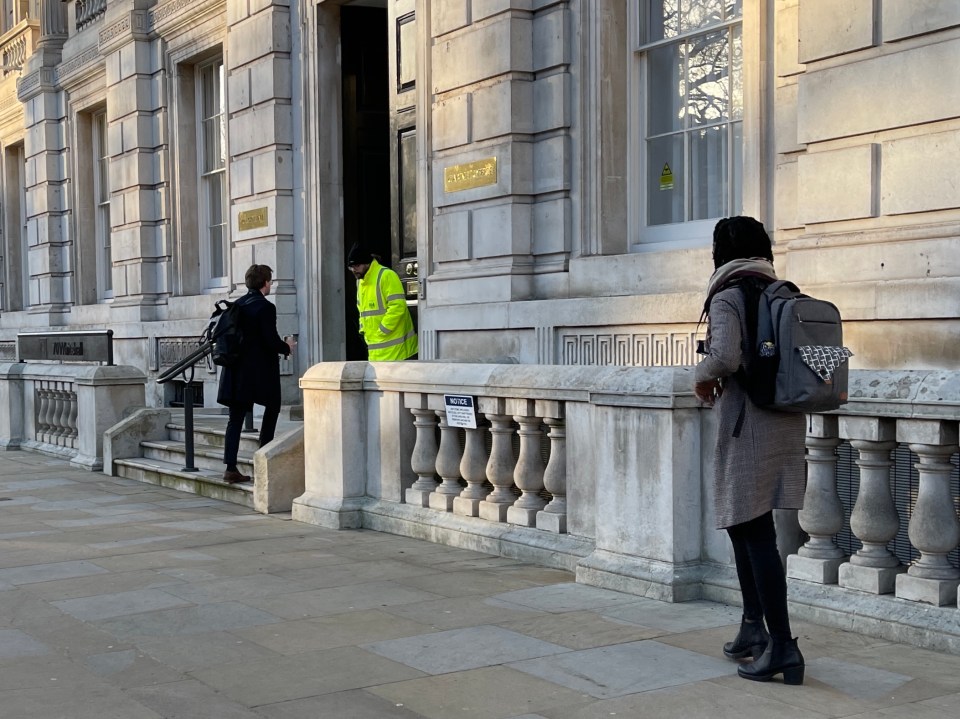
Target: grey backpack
799, 363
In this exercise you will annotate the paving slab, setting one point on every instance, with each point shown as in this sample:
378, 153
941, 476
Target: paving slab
120, 599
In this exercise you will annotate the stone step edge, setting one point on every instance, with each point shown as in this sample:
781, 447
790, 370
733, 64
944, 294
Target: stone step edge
208, 451
157, 465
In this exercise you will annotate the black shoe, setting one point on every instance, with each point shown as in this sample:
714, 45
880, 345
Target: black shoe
778, 658
750, 641
234, 477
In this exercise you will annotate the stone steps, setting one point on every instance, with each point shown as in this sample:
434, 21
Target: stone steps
203, 482
205, 456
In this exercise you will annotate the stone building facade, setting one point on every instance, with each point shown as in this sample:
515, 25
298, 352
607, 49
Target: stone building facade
544, 174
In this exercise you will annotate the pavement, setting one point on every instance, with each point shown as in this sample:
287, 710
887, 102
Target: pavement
121, 600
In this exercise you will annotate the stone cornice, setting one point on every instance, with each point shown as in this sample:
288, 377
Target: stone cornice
175, 14
43, 80
79, 66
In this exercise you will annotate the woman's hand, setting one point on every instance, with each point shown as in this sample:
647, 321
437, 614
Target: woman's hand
708, 391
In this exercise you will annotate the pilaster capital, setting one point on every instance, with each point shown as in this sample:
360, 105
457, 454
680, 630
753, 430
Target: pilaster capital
123, 29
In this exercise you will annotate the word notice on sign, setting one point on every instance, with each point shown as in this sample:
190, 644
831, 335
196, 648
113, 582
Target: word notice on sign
461, 411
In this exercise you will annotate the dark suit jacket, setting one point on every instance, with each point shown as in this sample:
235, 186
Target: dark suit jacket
255, 379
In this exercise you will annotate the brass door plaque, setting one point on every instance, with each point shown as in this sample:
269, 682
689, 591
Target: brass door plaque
470, 175
252, 219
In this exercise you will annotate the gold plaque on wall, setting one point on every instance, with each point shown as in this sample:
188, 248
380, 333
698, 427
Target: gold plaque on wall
470, 175
252, 219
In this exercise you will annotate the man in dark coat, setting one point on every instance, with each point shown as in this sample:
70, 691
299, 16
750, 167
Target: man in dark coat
255, 378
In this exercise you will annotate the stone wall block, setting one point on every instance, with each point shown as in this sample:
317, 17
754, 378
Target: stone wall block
131, 170
258, 36
241, 177
260, 127
785, 193
272, 171
503, 108
551, 102
129, 96
135, 58
44, 137
884, 92
483, 9
919, 174
261, 5
449, 15
451, 236
917, 17
271, 79
787, 48
500, 230
834, 27
239, 94
785, 119
551, 39
237, 11
451, 122
514, 173
485, 52
836, 185
551, 164
552, 223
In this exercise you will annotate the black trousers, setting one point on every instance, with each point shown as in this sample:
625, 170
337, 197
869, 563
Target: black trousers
763, 581
268, 427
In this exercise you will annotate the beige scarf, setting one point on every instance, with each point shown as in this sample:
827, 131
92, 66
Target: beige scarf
747, 267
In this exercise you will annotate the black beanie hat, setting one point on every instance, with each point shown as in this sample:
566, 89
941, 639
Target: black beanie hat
359, 255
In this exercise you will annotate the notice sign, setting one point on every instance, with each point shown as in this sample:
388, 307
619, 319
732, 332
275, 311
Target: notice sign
461, 411
666, 177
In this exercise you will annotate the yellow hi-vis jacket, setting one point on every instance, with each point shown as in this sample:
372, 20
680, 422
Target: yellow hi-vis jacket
385, 321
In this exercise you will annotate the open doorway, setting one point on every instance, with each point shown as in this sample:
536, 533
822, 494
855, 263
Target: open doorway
366, 146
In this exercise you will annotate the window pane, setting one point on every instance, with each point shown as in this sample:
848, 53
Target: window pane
736, 74
665, 180
213, 158
216, 252
212, 90
663, 20
697, 14
666, 90
708, 173
106, 255
215, 195
708, 79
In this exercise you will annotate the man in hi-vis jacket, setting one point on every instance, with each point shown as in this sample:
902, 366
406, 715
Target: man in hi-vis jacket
385, 321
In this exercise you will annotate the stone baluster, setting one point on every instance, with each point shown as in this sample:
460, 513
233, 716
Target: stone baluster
448, 467
874, 520
934, 528
820, 558
553, 518
43, 411
528, 475
424, 459
473, 468
72, 428
61, 413
501, 464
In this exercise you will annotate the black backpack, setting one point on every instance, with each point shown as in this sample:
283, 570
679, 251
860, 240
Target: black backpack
798, 362
225, 332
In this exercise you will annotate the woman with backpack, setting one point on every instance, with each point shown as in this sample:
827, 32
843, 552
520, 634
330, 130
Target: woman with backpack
759, 454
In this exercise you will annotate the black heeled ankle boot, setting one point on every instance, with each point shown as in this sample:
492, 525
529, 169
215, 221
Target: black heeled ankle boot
751, 640
780, 657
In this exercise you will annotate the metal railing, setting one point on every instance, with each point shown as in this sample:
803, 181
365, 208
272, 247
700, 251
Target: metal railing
187, 367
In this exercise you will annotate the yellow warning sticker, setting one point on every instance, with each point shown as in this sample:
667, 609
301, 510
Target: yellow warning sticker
666, 177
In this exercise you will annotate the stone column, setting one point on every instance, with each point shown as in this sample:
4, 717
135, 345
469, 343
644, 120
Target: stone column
260, 116
934, 528
501, 121
44, 116
138, 221
822, 515
874, 520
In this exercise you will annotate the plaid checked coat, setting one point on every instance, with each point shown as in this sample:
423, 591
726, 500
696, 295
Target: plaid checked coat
759, 455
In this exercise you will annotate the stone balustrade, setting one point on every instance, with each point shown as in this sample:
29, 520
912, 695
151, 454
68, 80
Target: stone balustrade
607, 471
64, 409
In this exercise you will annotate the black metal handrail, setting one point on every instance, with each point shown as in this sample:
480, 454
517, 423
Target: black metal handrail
187, 367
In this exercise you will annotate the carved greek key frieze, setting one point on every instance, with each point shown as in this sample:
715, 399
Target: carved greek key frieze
71, 66
634, 349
